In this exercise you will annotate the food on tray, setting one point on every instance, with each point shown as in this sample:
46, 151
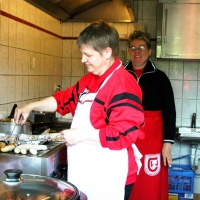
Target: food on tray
8, 148
33, 149
2, 144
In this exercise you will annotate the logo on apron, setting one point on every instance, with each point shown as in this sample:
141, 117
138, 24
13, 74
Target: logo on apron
152, 164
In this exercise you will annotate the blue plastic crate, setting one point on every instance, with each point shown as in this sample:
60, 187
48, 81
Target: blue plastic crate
181, 177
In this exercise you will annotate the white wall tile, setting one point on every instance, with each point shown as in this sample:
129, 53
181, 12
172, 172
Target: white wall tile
178, 104
190, 89
177, 86
190, 70
176, 70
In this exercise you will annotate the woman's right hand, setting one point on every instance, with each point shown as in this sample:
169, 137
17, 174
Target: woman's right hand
22, 113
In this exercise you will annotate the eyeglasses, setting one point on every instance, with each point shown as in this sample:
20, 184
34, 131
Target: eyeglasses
140, 48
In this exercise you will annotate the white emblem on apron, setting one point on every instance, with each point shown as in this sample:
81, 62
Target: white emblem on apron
152, 164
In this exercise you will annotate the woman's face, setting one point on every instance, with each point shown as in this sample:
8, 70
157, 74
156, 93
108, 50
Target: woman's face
139, 53
95, 62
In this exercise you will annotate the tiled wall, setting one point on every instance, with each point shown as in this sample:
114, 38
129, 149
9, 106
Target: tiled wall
58, 60
19, 42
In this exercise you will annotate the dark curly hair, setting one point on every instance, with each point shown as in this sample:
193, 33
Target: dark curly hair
140, 35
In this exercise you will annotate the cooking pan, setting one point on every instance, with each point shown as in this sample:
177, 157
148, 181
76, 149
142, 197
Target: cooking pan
7, 126
17, 186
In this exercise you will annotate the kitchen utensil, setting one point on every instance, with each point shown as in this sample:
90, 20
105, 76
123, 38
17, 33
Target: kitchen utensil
7, 127
11, 116
14, 184
13, 138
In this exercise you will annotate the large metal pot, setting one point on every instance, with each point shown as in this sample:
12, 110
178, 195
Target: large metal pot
7, 127
17, 186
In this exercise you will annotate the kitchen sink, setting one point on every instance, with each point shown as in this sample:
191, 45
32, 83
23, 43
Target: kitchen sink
189, 134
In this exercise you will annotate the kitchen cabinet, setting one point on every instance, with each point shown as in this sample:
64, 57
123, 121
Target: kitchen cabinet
178, 33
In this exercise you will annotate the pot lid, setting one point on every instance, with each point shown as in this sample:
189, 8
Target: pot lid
15, 185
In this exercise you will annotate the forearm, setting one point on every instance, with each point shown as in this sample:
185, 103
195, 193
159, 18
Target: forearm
21, 113
46, 105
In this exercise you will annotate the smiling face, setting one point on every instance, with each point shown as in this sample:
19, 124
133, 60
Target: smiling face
138, 55
95, 62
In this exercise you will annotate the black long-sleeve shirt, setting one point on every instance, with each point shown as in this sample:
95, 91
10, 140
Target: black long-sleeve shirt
157, 95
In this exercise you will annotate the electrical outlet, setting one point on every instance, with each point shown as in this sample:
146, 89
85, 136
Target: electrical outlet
32, 63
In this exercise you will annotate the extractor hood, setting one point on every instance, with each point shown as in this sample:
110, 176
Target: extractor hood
89, 10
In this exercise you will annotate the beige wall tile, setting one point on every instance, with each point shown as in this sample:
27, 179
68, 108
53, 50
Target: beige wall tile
37, 87
25, 88
47, 67
3, 111
3, 89
67, 48
4, 59
66, 82
26, 37
37, 44
57, 66
77, 28
32, 40
31, 87
11, 89
5, 5
37, 68
77, 67
42, 86
12, 33
26, 62
4, 31
19, 35
75, 79
20, 9
19, 62
19, 88
27, 13
11, 60
67, 67
12, 7
67, 29
75, 50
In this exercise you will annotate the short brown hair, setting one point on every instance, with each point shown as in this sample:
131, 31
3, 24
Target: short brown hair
100, 35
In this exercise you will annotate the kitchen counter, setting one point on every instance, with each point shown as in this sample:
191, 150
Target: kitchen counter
42, 164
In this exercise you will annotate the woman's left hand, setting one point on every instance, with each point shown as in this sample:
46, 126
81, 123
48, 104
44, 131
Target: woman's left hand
72, 136
166, 154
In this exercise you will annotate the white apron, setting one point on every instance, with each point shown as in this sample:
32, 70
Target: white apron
98, 172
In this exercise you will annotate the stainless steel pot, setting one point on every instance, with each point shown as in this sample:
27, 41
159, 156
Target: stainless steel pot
17, 186
6, 127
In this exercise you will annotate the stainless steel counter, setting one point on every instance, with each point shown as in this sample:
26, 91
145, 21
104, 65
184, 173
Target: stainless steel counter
42, 164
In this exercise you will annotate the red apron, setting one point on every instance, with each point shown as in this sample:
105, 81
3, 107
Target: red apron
152, 181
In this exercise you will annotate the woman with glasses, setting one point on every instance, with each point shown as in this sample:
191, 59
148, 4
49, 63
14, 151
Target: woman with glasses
108, 118
160, 117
